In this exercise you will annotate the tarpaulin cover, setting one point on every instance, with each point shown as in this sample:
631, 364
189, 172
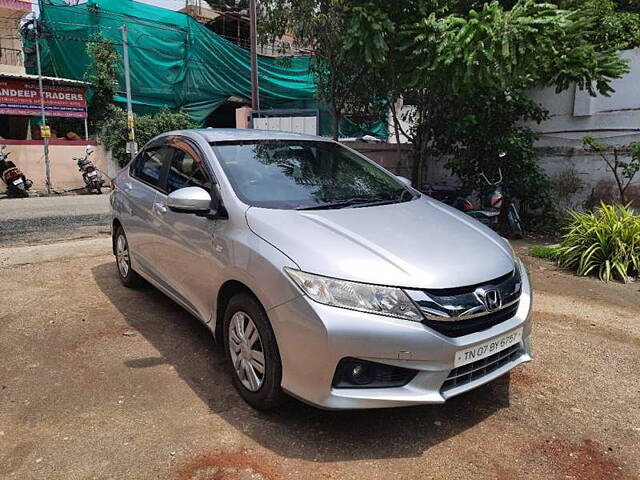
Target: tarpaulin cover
175, 61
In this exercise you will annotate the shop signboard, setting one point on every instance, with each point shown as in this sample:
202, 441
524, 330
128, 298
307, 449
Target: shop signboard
22, 97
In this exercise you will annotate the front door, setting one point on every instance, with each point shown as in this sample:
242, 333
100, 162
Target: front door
189, 265
142, 188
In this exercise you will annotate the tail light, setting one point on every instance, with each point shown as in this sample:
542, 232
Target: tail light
467, 206
90, 169
12, 174
496, 200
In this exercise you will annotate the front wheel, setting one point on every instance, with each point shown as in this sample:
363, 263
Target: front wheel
252, 353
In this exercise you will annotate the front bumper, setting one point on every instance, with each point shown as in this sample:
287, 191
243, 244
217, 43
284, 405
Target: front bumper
313, 338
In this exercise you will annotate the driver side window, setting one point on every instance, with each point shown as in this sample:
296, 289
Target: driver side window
149, 165
187, 171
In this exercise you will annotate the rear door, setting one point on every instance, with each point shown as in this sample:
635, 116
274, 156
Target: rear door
191, 268
145, 184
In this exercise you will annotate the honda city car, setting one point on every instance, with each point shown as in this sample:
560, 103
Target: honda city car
324, 276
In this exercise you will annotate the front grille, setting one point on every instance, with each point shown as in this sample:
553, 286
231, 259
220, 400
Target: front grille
473, 371
459, 311
472, 325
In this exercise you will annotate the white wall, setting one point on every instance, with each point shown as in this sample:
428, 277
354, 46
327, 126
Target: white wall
64, 171
574, 113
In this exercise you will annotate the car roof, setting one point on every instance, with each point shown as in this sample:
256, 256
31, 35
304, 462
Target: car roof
231, 134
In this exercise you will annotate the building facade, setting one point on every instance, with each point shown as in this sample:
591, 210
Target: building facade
65, 107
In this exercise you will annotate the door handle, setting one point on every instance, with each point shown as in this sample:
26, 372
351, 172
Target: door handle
160, 208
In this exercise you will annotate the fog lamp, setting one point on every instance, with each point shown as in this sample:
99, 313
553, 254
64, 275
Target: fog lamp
357, 373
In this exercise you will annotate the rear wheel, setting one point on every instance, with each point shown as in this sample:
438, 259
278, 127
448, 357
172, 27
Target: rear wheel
128, 277
252, 353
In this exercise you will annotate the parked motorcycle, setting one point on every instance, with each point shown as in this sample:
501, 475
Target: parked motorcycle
492, 204
17, 184
90, 174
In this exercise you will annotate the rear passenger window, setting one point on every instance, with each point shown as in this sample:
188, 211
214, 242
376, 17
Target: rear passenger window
149, 166
186, 171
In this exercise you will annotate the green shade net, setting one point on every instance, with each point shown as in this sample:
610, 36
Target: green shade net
175, 62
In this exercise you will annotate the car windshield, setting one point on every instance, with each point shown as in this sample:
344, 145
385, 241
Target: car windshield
295, 174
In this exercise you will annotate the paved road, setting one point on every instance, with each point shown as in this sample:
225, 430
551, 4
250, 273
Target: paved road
98, 381
49, 219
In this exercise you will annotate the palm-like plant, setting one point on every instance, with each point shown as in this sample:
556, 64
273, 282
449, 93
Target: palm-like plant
606, 242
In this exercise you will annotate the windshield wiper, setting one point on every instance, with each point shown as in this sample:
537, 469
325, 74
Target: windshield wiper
350, 202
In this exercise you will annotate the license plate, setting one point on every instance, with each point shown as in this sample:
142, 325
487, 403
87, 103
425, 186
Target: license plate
17, 182
92, 174
486, 349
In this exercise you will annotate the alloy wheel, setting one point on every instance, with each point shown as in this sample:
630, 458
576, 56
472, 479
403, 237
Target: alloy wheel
247, 352
122, 256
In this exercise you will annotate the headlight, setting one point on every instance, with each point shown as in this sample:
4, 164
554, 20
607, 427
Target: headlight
389, 301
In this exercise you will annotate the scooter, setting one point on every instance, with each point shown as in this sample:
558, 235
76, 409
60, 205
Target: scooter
17, 184
90, 174
492, 204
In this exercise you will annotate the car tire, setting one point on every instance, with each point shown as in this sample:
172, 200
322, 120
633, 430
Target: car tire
249, 351
128, 277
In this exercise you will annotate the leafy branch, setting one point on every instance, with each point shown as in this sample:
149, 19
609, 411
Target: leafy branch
623, 171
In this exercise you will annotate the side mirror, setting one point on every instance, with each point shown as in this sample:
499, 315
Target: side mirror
404, 180
190, 200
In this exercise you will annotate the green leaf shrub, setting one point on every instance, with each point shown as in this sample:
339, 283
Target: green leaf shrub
114, 129
605, 242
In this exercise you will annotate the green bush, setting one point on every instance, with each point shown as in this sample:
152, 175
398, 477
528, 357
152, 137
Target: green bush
606, 242
544, 251
114, 129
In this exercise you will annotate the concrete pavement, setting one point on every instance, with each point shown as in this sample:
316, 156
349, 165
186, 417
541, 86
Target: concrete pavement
98, 381
38, 207
50, 219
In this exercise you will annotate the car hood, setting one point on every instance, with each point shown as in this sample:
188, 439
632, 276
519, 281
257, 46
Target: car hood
418, 244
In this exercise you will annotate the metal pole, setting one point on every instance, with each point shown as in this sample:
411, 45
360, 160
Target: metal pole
255, 96
86, 129
127, 81
47, 166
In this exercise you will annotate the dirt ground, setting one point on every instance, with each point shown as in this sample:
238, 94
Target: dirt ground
101, 382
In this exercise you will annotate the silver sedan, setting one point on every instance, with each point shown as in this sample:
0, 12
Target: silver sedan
324, 276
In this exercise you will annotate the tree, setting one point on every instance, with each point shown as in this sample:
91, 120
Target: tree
346, 81
616, 23
103, 76
464, 66
109, 120
466, 72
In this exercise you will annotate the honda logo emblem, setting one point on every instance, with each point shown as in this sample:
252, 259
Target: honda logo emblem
490, 298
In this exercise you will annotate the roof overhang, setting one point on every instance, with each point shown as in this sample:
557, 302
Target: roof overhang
54, 80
